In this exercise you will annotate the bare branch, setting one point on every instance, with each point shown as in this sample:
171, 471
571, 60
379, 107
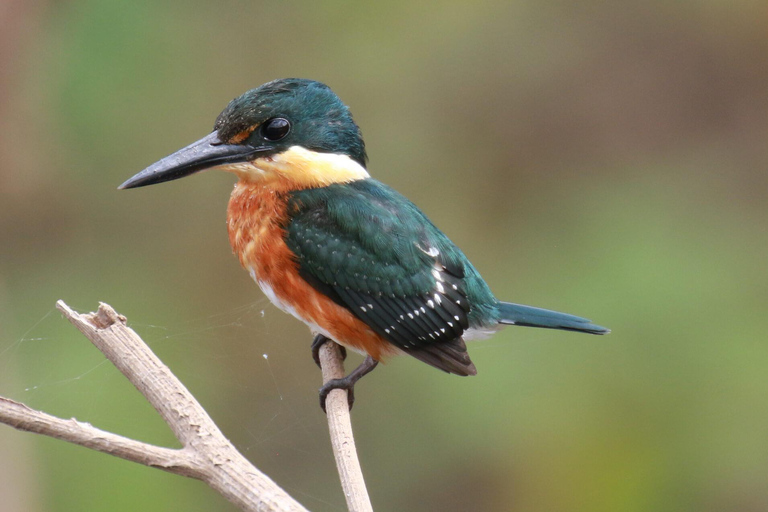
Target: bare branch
21, 417
340, 428
206, 454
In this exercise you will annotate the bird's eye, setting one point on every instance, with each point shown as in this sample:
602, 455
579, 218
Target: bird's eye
276, 129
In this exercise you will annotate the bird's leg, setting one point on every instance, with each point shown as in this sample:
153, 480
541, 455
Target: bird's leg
318, 342
348, 382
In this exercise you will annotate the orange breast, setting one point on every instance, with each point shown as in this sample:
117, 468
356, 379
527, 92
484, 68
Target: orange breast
254, 218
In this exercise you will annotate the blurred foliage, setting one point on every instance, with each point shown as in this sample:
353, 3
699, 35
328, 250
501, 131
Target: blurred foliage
602, 158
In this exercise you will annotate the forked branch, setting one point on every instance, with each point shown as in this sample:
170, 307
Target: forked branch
205, 454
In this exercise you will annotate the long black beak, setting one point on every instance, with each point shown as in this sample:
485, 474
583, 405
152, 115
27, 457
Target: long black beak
206, 153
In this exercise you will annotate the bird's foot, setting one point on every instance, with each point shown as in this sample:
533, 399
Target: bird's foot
318, 342
348, 382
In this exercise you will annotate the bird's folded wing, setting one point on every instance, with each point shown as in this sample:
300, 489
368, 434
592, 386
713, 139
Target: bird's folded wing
375, 253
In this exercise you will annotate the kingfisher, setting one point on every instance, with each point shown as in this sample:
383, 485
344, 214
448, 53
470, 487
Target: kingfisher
353, 259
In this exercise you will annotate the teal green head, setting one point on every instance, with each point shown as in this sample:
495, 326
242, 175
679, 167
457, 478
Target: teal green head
277, 118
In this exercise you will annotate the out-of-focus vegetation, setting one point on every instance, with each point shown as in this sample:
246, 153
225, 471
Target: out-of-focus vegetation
602, 158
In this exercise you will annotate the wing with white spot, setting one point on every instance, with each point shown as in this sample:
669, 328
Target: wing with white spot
415, 319
375, 253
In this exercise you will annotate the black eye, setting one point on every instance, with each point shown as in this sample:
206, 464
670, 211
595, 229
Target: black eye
275, 129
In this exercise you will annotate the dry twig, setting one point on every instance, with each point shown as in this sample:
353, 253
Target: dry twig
340, 428
205, 454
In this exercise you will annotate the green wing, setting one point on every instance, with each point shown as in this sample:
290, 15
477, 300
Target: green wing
376, 254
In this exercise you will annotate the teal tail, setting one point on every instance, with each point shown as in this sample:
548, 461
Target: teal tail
528, 316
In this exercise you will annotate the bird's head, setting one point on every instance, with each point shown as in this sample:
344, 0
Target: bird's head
289, 131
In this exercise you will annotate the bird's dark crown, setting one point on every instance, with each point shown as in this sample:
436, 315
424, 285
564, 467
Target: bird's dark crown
277, 118
319, 121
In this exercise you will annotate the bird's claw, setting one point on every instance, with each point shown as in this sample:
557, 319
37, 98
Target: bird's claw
318, 342
348, 382
329, 386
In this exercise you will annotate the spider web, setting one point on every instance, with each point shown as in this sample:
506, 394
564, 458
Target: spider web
266, 404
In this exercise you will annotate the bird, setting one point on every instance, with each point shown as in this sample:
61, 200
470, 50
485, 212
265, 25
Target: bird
349, 256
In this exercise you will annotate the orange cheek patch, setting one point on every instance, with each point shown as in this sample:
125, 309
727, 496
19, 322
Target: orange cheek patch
241, 136
255, 217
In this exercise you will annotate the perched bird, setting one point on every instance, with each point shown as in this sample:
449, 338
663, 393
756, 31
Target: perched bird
352, 258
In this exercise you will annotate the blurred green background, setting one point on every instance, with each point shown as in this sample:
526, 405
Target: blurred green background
606, 159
